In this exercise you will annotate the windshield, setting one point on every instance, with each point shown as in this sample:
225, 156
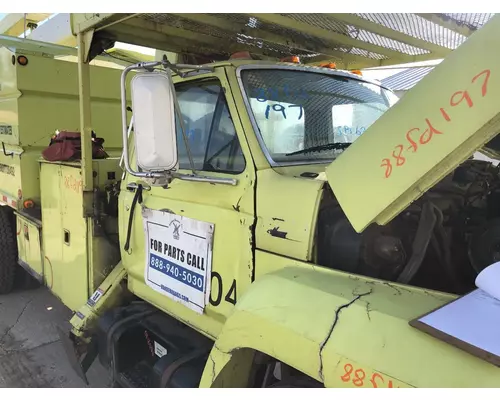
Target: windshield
296, 111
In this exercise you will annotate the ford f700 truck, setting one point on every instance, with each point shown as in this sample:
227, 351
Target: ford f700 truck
272, 224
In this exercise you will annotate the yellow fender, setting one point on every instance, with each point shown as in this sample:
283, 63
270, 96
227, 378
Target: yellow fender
342, 330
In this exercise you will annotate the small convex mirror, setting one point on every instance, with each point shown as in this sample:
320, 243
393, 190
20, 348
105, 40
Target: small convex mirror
154, 121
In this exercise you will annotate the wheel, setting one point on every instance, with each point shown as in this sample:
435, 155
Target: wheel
8, 250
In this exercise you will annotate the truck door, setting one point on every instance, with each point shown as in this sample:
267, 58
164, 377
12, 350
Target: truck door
219, 150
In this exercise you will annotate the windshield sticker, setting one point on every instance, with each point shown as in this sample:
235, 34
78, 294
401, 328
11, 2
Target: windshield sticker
348, 130
414, 136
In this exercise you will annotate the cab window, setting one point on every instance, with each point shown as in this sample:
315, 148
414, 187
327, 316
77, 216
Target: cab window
210, 131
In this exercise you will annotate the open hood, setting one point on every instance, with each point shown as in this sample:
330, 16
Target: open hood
443, 120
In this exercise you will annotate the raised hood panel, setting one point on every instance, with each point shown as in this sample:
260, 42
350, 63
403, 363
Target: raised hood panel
438, 124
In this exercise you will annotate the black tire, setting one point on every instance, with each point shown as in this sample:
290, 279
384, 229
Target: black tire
8, 250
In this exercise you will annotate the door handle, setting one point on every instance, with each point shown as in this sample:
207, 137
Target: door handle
132, 186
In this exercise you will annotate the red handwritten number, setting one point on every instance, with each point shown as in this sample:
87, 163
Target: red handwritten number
445, 114
388, 167
348, 368
400, 160
484, 88
360, 376
373, 379
428, 133
413, 144
464, 95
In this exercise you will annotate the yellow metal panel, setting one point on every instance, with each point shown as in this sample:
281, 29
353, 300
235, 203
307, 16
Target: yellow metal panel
64, 233
9, 95
287, 209
35, 101
229, 208
51, 102
435, 126
359, 335
85, 117
10, 175
29, 245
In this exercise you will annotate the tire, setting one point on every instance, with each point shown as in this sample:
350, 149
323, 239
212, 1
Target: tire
8, 250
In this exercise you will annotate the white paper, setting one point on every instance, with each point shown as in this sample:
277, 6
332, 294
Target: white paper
178, 257
474, 319
489, 280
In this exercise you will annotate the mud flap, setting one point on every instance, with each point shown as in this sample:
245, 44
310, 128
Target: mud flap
80, 365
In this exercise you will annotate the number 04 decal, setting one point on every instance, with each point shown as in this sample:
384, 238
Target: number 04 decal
217, 290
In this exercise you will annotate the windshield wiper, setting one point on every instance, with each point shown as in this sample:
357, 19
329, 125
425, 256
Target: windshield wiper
328, 146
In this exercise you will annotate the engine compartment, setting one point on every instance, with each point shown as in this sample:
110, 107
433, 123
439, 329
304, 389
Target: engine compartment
440, 242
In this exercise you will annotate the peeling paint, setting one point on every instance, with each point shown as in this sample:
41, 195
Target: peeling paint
213, 368
397, 289
368, 310
277, 233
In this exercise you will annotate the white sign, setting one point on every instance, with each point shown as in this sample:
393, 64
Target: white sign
178, 257
95, 297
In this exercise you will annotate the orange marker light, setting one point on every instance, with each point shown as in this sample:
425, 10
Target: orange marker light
22, 60
291, 59
331, 65
357, 72
28, 204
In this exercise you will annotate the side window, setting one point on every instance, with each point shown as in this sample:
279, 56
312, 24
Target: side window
210, 131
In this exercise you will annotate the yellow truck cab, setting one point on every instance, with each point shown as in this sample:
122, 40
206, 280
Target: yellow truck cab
280, 224
256, 252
